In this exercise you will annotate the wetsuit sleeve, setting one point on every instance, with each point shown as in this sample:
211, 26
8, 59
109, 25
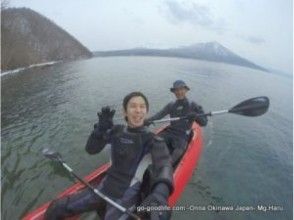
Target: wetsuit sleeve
161, 163
202, 120
97, 139
163, 112
95, 143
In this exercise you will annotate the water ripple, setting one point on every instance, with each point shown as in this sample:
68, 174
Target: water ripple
244, 159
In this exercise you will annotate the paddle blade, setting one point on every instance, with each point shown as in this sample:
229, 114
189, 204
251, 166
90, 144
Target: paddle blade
52, 155
252, 107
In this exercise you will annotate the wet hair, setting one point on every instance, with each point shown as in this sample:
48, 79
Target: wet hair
128, 97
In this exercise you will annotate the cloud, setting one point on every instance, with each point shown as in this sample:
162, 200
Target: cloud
252, 39
194, 14
255, 40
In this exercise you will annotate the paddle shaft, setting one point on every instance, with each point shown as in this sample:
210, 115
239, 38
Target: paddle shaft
179, 118
250, 107
98, 193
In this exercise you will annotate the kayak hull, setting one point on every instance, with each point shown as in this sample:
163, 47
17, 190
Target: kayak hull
182, 175
187, 165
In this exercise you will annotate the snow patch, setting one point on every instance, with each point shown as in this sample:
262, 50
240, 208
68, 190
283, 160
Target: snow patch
28, 67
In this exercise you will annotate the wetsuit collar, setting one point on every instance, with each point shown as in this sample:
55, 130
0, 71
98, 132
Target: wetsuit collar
137, 129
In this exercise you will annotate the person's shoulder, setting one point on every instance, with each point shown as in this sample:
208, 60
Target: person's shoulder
171, 103
193, 103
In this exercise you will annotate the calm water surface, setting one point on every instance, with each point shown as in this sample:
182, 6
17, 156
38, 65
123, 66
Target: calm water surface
245, 161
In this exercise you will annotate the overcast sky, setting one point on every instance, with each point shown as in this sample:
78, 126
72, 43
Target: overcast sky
259, 30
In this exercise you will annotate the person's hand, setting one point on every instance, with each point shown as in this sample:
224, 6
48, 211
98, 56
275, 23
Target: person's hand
192, 116
105, 119
155, 207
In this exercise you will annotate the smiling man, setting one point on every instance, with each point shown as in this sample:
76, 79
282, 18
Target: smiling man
177, 134
133, 149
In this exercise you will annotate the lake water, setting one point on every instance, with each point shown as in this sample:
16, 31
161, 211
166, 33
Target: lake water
245, 161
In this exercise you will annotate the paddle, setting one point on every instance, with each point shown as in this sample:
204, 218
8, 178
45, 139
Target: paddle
251, 107
55, 156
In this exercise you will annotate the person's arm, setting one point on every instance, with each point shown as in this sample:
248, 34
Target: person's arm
162, 179
96, 142
201, 120
163, 112
101, 134
161, 160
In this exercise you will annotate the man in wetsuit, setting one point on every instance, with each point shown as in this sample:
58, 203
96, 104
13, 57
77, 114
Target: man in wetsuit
133, 149
176, 135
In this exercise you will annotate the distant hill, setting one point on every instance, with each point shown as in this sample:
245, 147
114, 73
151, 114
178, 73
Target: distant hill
211, 51
30, 38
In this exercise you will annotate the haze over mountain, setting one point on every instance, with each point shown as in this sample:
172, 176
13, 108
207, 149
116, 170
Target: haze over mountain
211, 51
30, 38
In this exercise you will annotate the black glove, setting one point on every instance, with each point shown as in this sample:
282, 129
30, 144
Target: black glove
148, 122
192, 116
201, 118
154, 199
105, 119
157, 202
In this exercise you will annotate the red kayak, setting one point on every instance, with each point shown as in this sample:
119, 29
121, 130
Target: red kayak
182, 175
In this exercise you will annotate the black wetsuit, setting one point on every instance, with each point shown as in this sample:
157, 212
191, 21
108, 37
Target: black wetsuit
132, 150
177, 133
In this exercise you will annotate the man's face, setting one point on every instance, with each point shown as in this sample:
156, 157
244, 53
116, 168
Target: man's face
136, 111
180, 93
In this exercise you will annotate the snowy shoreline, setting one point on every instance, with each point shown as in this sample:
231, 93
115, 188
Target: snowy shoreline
29, 67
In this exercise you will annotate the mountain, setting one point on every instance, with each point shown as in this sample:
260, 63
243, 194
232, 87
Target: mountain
30, 38
211, 51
